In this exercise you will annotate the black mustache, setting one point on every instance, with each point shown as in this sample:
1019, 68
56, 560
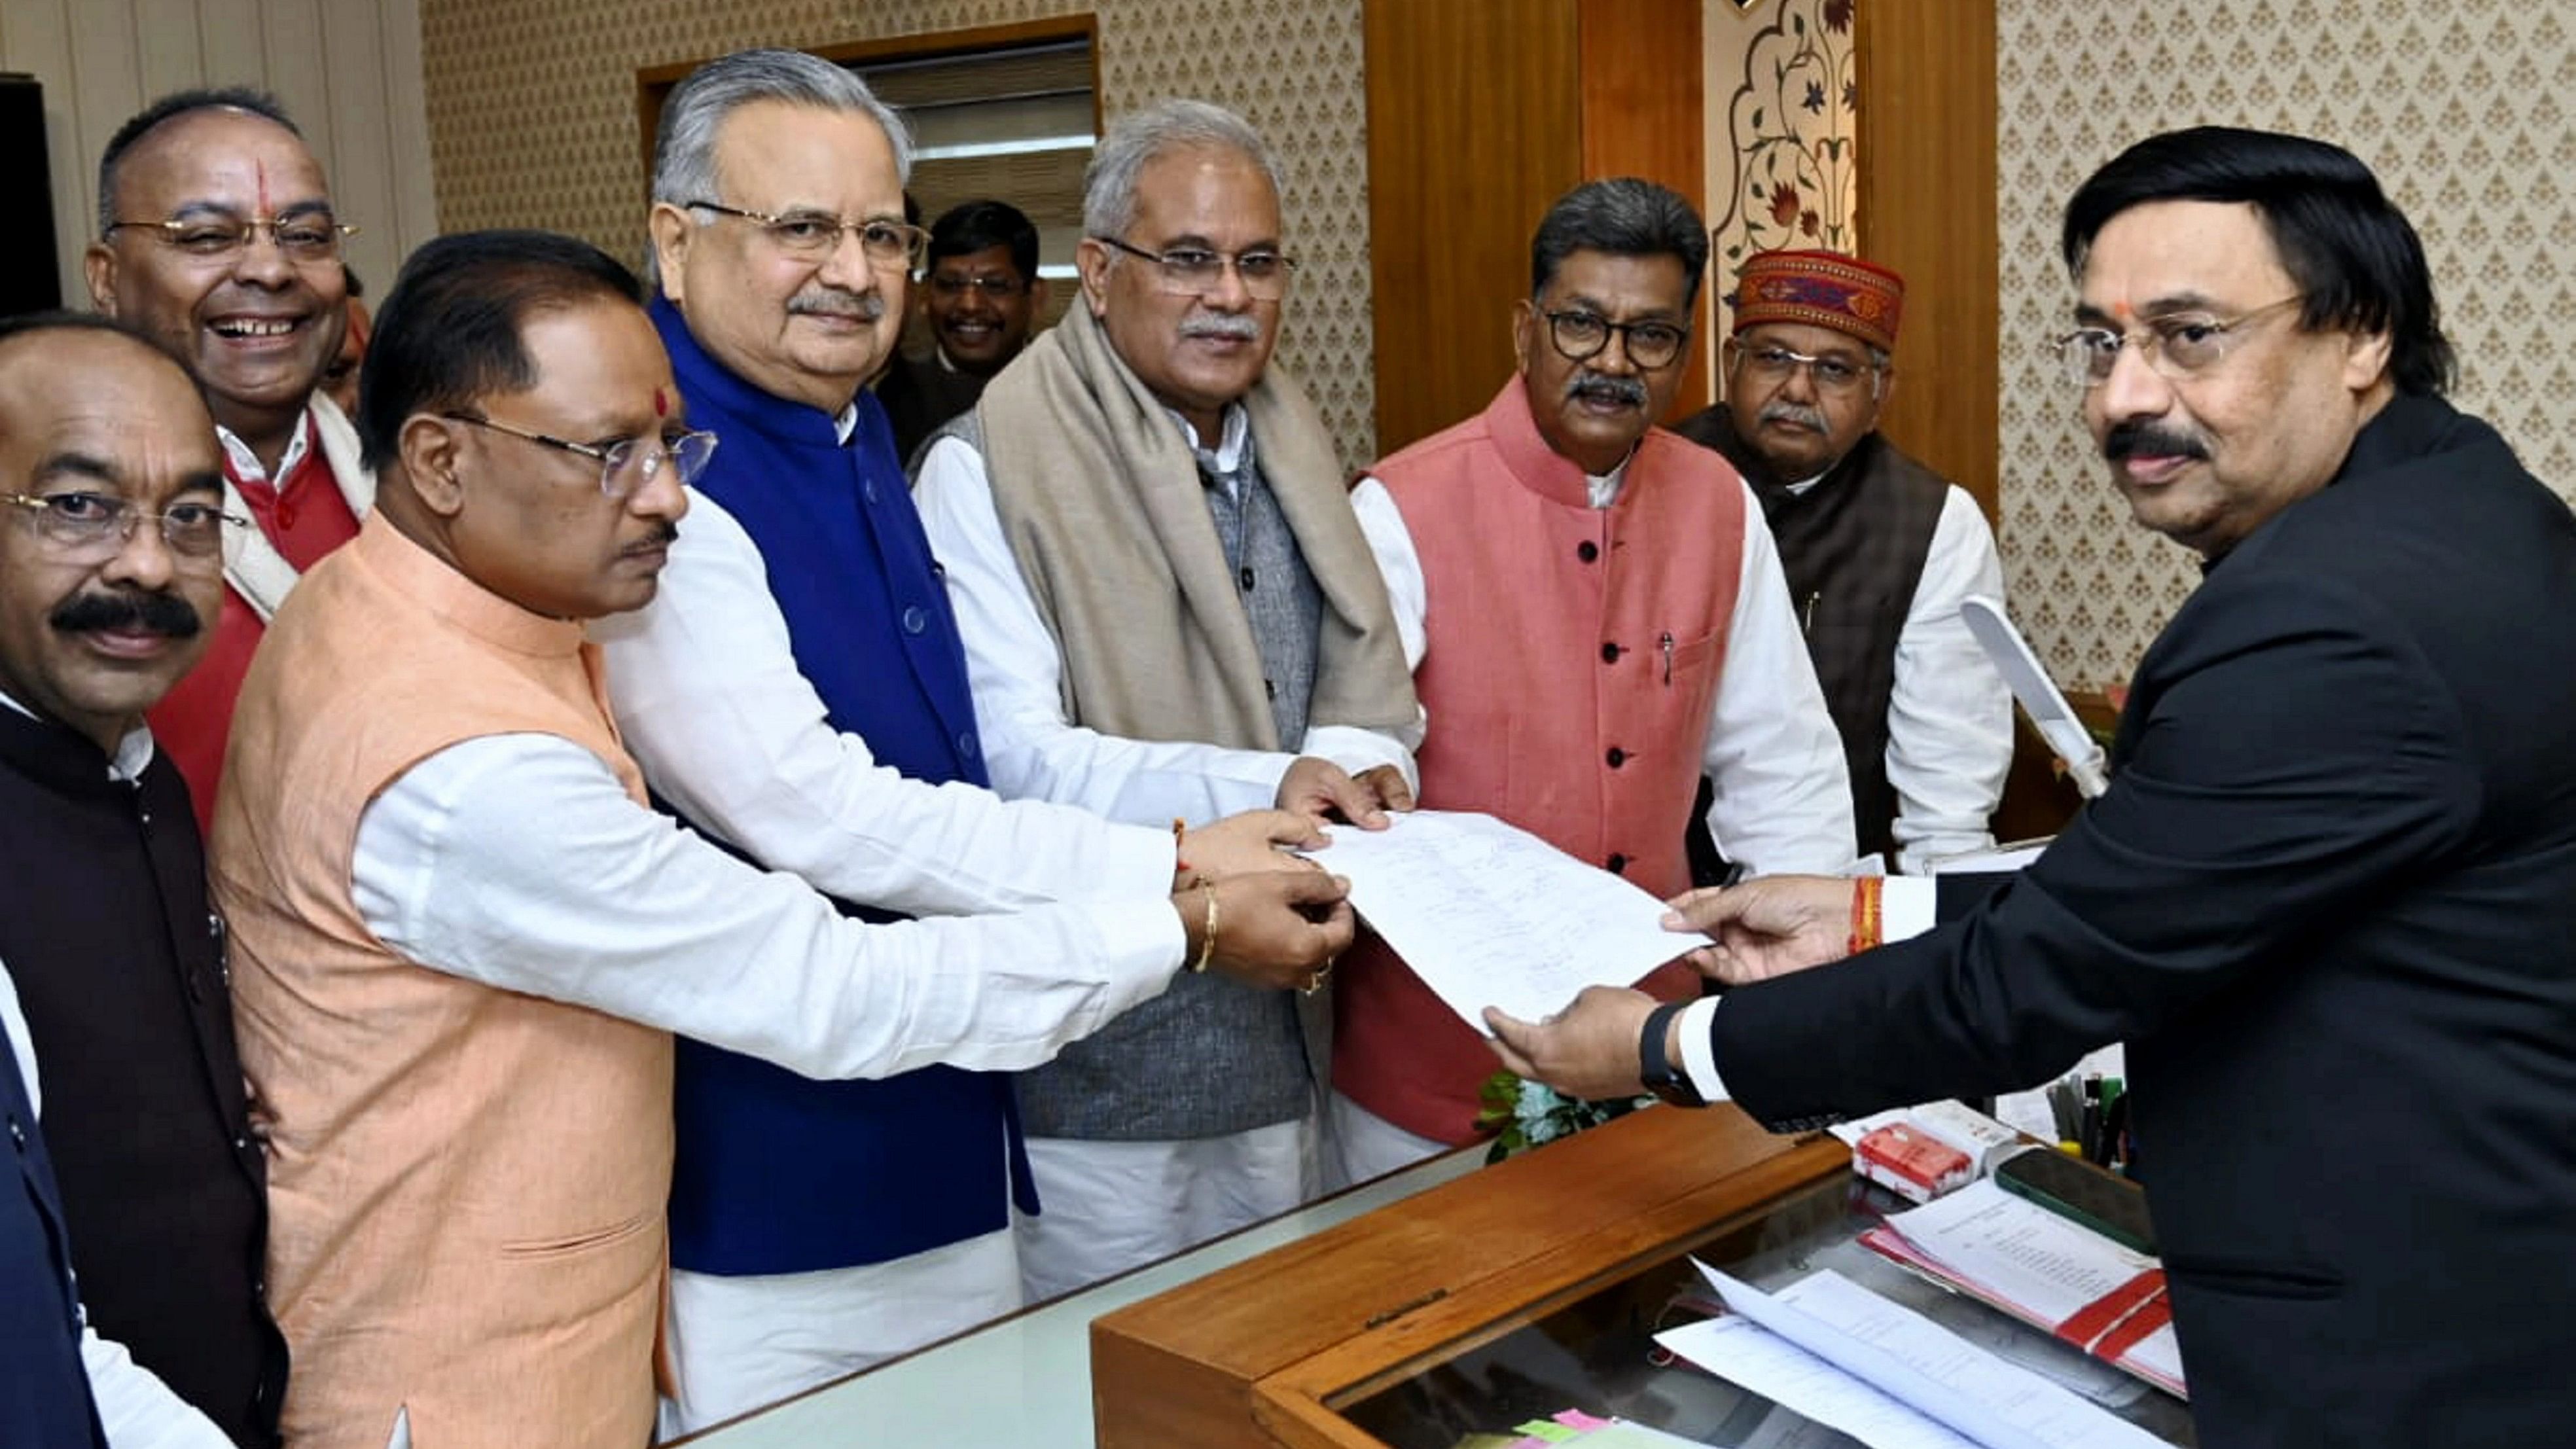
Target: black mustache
1610, 389
2127, 439
158, 613
662, 536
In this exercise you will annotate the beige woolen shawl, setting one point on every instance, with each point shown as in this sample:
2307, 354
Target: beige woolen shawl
1099, 495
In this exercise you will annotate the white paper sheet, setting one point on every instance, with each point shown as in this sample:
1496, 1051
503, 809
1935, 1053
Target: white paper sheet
1745, 1353
1929, 1368
1491, 915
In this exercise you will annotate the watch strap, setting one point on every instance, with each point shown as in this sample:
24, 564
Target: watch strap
1656, 1069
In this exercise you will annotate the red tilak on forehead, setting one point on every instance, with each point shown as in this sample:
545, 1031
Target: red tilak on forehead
661, 403
262, 168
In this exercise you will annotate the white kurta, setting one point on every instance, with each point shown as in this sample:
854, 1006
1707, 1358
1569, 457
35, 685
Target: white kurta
1111, 1206
709, 701
1949, 716
518, 861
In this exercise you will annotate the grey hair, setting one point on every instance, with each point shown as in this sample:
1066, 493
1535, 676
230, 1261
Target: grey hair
684, 142
1136, 138
1625, 217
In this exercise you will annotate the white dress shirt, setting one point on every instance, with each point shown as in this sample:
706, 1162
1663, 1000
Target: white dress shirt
1783, 797
1905, 909
708, 699
134, 1406
519, 862
1032, 748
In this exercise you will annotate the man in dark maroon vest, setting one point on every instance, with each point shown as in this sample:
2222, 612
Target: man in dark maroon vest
1878, 550
112, 536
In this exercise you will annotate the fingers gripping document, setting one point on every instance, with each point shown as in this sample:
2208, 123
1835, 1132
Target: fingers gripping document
1488, 914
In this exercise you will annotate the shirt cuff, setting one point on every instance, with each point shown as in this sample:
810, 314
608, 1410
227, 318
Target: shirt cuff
1699, 1048
1143, 946
1906, 906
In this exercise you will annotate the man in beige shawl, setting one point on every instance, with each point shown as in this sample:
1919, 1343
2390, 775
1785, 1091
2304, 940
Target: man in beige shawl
1170, 614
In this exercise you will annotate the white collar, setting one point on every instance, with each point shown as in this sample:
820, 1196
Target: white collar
1603, 488
1234, 430
246, 466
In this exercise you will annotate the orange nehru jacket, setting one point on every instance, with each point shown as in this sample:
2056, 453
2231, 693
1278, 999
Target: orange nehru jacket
466, 1186
1570, 664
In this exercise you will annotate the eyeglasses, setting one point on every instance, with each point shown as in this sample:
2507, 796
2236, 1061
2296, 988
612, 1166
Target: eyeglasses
813, 235
2179, 347
1774, 365
307, 236
1581, 335
91, 527
996, 288
626, 464
1197, 271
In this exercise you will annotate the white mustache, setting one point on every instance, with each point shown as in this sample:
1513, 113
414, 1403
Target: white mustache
1812, 419
1220, 324
861, 306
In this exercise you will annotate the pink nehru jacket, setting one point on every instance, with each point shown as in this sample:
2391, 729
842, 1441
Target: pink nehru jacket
1571, 662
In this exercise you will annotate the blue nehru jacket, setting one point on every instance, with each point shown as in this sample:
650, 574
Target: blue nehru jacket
44, 1393
777, 1173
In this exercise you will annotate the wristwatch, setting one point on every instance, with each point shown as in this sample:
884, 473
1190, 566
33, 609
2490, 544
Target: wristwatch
1668, 1082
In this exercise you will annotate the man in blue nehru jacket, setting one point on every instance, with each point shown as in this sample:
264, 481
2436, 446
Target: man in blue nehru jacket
799, 693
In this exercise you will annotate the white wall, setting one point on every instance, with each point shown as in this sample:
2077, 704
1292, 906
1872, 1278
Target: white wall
349, 72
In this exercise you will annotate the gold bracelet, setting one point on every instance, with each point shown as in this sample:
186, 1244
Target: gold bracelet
1207, 929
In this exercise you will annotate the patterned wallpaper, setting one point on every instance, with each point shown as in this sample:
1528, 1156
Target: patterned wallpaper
1782, 95
2462, 109
532, 119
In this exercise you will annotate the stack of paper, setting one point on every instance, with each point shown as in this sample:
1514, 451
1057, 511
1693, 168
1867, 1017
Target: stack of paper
1833, 1352
2103, 1298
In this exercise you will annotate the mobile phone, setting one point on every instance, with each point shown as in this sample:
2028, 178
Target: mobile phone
2082, 1193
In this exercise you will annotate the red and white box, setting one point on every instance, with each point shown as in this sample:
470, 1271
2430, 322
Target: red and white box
1911, 1162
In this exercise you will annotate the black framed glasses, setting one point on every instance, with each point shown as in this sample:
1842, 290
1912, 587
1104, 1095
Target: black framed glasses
305, 236
92, 527
1197, 271
2179, 347
625, 465
1772, 364
811, 236
1581, 335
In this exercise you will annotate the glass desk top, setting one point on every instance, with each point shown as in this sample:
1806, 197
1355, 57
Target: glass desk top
1598, 1353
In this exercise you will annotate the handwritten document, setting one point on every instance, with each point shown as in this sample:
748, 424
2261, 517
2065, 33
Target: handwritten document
1951, 1383
1490, 915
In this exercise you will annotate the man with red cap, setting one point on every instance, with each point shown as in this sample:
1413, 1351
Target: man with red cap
1878, 549
1596, 620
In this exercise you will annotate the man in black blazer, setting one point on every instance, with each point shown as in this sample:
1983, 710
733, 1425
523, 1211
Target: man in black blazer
2330, 898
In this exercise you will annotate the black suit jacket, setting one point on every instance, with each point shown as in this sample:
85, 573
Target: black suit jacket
2330, 902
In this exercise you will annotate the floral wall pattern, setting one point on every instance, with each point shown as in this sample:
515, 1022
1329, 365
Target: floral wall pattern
2461, 109
1781, 101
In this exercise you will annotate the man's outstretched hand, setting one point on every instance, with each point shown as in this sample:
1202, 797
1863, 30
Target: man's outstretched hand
1767, 927
1588, 1050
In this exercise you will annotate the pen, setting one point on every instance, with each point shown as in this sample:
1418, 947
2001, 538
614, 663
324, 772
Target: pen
1668, 656
1808, 623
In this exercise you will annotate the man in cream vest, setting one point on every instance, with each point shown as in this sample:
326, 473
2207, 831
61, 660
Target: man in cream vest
216, 238
1169, 613
463, 939
1596, 617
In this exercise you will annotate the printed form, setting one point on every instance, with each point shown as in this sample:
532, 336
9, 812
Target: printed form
1488, 914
